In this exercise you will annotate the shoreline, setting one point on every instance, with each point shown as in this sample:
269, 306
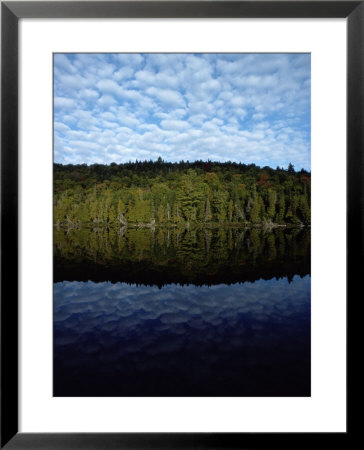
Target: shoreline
186, 226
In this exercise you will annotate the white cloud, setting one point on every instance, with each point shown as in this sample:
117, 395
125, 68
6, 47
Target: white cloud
123, 73
129, 59
258, 116
107, 115
108, 124
108, 87
107, 100
167, 96
65, 103
176, 125
251, 108
211, 85
61, 61
89, 94
61, 127
74, 81
238, 101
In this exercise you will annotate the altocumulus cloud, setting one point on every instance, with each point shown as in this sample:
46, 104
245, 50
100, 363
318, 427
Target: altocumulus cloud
251, 108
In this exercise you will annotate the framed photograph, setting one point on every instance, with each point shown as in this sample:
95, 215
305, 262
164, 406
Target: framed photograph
195, 258
181, 221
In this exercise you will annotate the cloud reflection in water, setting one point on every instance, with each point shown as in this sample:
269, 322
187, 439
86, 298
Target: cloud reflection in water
250, 339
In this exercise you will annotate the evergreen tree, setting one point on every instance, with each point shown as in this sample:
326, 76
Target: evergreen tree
179, 193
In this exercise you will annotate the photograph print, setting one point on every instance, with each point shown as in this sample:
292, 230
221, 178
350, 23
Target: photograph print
182, 225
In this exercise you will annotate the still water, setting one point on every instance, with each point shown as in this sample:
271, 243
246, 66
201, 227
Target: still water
193, 313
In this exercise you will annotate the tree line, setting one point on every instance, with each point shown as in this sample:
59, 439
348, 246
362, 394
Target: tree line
150, 193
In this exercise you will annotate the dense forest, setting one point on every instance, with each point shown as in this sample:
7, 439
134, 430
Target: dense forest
159, 193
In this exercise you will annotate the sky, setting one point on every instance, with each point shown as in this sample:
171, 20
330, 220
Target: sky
249, 108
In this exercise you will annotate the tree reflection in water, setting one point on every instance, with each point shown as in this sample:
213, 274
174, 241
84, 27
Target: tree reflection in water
163, 256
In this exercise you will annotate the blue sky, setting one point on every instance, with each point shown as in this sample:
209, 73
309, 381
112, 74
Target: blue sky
251, 108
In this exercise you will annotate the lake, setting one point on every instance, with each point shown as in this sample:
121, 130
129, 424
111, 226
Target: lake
193, 312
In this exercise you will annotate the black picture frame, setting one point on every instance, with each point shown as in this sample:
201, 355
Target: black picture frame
11, 12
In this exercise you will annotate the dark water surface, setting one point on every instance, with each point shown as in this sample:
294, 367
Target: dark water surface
194, 313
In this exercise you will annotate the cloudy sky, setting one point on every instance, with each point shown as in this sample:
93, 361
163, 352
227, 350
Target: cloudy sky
252, 108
